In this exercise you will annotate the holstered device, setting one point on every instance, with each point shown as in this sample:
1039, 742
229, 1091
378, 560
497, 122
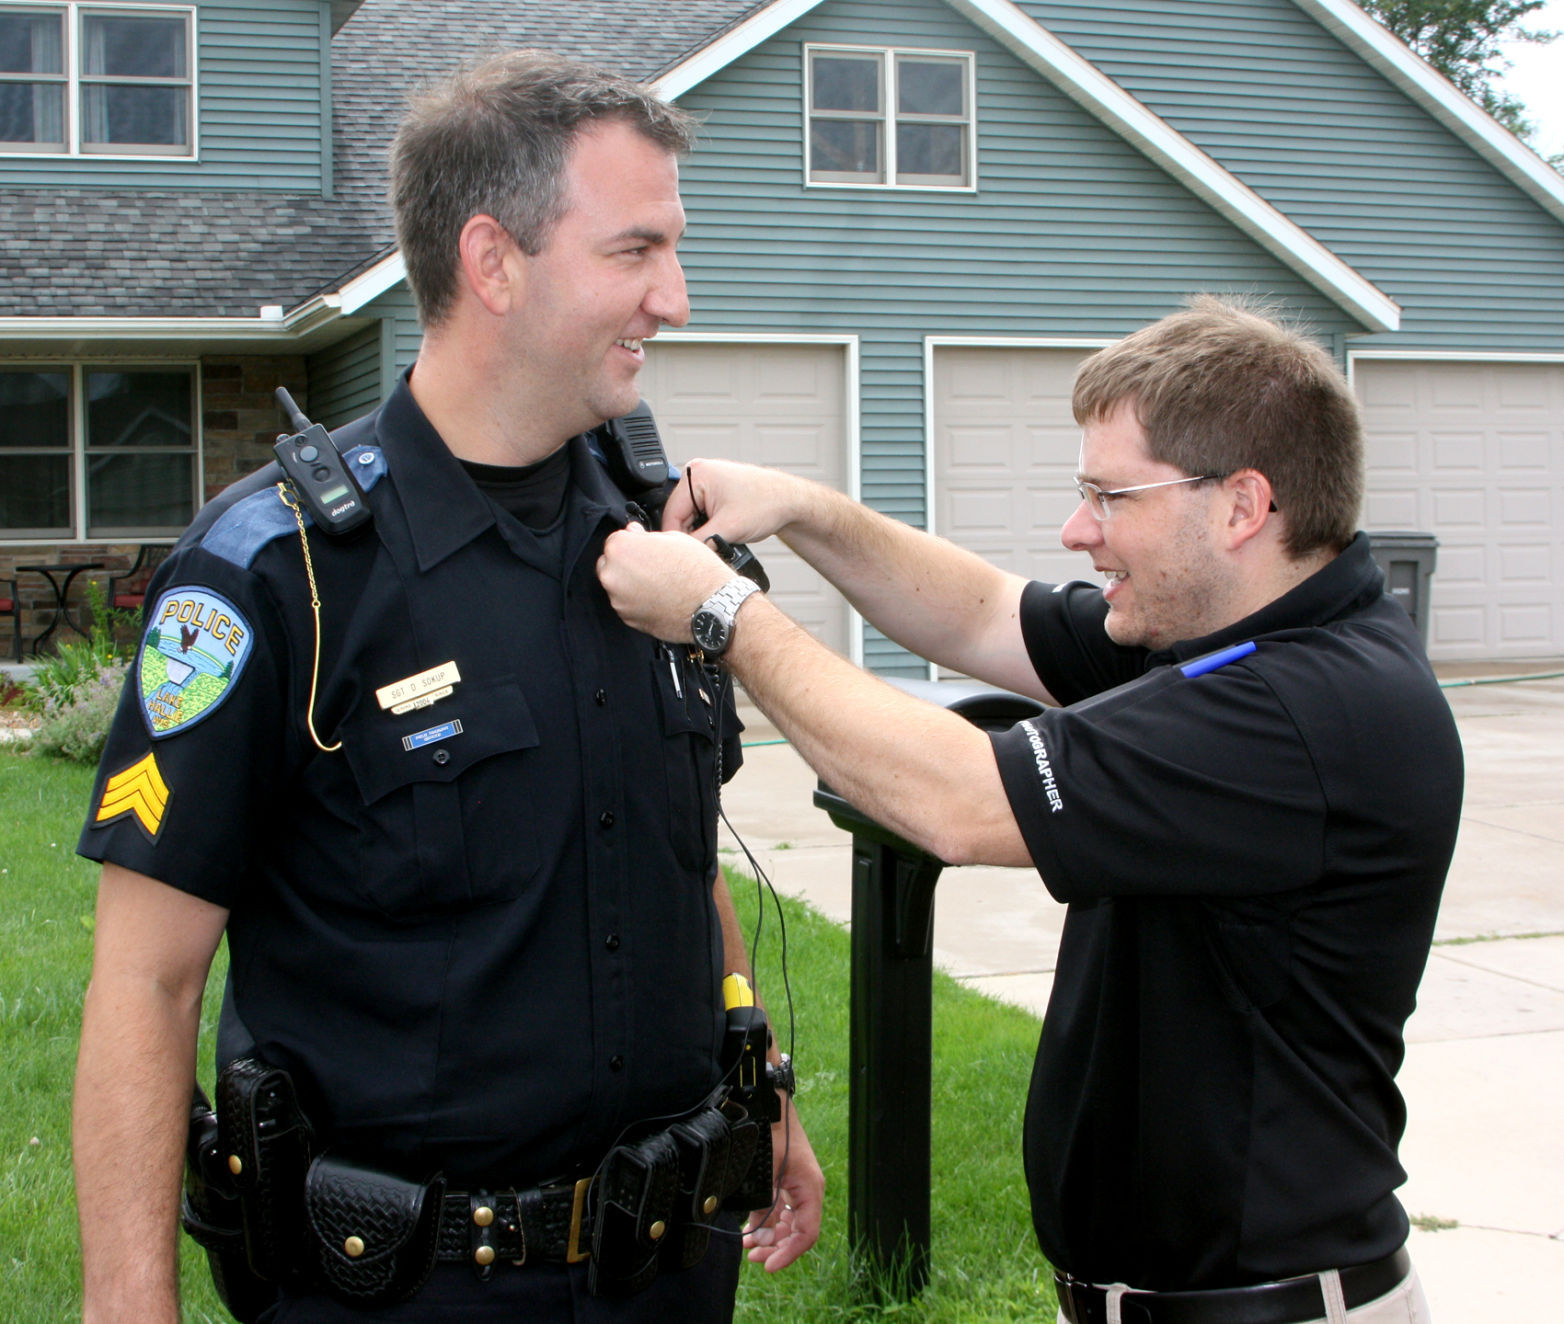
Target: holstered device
705, 1143
752, 1106
636, 1189
264, 1142
209, 1212
375, 1235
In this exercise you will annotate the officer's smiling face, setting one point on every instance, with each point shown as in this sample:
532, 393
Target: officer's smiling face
1165, 579
606, 280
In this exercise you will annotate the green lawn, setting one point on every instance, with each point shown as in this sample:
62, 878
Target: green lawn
985, 1265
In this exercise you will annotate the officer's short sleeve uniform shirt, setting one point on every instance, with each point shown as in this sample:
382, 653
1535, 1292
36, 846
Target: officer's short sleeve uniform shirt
1253, 856
481, 932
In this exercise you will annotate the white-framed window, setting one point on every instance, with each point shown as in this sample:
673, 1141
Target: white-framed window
887, 117
97, 450
80, 79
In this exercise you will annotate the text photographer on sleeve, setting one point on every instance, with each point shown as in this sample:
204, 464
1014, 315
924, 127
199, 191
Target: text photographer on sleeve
1248, 799
457, 820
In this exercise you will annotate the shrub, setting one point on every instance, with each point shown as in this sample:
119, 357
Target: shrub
58, 676
77, 728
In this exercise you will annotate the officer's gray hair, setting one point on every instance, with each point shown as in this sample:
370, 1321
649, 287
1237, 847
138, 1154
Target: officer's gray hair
1221, 386
494, 139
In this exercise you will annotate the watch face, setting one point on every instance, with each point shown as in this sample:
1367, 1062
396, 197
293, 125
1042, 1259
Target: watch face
710, 631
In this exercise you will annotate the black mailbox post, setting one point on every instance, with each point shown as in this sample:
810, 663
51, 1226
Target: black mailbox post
891, 1040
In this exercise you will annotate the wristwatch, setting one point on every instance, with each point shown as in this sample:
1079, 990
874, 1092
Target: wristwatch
712, 624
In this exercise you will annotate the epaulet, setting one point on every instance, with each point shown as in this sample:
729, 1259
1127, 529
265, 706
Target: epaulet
260, 517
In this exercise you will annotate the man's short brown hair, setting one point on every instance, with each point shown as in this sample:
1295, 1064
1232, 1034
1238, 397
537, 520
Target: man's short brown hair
493, 139
1220, 387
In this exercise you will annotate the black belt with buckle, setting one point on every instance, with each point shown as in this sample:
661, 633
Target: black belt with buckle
545, 1224
1290, 1301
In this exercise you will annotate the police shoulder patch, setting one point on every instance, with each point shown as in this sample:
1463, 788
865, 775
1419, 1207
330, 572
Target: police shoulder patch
192, 656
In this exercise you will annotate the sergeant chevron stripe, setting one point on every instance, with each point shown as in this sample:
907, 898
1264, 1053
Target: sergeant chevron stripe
139, 790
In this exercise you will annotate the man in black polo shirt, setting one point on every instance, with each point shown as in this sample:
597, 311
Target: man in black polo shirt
457, 820
1248, 798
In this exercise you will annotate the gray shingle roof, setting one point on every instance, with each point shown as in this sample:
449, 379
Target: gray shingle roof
188, 253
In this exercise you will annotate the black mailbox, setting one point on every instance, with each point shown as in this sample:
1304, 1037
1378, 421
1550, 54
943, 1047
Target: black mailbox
891, 1041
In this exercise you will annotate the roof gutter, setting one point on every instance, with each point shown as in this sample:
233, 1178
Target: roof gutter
272, 323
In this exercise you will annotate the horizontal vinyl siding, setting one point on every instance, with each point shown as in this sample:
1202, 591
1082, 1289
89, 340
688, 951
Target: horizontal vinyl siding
345, 379
1301, 119
396, 307
1071, 233
258, 74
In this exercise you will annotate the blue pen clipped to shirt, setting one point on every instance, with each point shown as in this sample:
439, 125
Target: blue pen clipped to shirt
1220, 658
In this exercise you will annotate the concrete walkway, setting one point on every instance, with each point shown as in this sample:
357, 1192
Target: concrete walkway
1484, 1074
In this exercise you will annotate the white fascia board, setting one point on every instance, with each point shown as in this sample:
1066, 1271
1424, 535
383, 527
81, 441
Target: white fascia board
736, 41
1413, 75
1100, 96
369, 285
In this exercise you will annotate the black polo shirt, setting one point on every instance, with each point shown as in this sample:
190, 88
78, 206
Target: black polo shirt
1253, 857
481, 932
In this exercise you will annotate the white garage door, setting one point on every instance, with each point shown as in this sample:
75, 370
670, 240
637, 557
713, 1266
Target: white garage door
1005, 453
1474, 454
781, 405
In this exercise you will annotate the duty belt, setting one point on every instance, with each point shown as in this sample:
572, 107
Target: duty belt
270, 1211
1288, 1301
547, 1223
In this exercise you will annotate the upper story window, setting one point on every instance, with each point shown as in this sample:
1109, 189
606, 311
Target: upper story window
97, 451
85, 79
889, 118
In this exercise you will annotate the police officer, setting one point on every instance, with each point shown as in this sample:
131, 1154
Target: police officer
1248, 800
455, 818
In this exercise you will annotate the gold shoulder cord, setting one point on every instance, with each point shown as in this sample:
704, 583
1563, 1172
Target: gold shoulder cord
292, 503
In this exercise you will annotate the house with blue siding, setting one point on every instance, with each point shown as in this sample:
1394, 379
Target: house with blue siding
909, 221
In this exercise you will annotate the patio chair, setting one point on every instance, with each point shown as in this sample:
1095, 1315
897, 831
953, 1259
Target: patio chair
129, 591
11, 605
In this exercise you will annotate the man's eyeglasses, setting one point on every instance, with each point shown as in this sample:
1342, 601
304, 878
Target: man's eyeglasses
1100, 502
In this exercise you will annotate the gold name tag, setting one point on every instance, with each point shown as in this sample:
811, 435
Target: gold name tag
420, 690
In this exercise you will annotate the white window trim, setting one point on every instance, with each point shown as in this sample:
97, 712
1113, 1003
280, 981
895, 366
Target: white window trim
73, 81
77, 448
887, 56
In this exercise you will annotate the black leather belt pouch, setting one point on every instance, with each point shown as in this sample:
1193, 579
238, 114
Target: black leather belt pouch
374, 1236
209, 1212
704, 1142
265, 1142
637, 1187
749, 1160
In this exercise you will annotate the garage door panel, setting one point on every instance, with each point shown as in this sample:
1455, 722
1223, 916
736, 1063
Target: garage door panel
1394, 510
1461, 508
1489, 484
780, 405
1520, 390
1005, 451
1397, 452
1461, 565
1525, 627
1523, 506
1526, 451
1521, 563
1457, 451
